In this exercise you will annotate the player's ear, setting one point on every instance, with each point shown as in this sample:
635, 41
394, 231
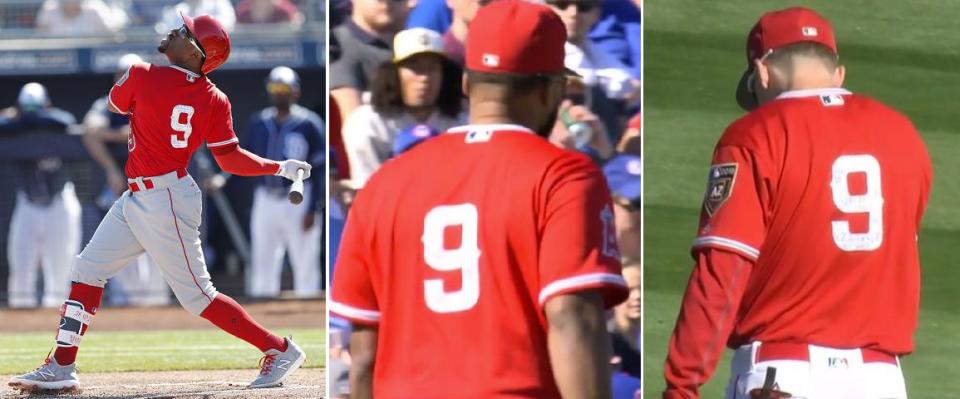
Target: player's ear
762, 74
839, 75
465, 85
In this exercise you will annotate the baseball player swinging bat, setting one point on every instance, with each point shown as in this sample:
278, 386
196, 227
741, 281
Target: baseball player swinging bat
296, 189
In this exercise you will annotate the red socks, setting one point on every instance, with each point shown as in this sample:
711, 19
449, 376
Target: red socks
88, 296
227, 314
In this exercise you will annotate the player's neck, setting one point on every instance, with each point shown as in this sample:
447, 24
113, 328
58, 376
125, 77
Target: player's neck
184, 65
494, 113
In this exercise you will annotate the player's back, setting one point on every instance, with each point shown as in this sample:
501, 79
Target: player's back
458, 262
844, 183
173, 111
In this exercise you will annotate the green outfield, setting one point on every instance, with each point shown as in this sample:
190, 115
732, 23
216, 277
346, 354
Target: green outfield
904, 53
157, 350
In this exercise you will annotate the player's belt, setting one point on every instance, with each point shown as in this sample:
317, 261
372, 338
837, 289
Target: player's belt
151, 182
794, 351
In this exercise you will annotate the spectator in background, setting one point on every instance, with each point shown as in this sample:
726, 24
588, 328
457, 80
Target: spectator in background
222, 10
79, 18
285, 130
624, 326
420, 86
613, 88
455, 38
141, 283
596, 66
623, 177
364, 45
269, 12
45, 226
435, 15
618, 33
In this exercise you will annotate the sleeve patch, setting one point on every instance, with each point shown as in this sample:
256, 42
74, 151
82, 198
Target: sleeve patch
719, 186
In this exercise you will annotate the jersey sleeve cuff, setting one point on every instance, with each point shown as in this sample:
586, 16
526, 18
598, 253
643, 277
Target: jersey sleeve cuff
354, 314
229, 141
727, 244
613, 287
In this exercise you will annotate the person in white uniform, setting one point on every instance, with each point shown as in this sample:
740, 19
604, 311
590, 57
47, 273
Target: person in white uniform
277, 227
45, 227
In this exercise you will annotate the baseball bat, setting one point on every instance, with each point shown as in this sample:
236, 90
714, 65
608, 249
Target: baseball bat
296, 189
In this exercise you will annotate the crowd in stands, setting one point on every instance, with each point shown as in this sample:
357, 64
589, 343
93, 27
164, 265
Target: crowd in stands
395, 74
103, 17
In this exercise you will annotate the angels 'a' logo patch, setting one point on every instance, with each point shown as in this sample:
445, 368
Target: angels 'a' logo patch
719, 186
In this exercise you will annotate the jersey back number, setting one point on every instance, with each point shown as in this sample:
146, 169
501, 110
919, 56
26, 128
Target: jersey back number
465, 259
869, 202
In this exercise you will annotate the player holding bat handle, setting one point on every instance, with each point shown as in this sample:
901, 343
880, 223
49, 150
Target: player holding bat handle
173, 110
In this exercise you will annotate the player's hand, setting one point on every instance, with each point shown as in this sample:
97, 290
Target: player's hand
289, 169
116, 181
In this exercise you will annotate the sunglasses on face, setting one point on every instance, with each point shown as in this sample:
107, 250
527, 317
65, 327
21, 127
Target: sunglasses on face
183, 31
582, 6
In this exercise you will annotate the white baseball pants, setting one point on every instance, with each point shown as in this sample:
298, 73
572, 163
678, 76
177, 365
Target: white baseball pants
276, 227
164, 222
44, 237
829, 374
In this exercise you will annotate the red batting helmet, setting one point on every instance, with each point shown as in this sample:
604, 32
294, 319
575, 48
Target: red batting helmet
212, 39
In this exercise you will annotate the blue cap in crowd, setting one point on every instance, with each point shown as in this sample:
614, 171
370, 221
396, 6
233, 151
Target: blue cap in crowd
623, 176
411, 136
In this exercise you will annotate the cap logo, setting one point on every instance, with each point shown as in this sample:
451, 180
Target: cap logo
808, 31
424, 40
491, 60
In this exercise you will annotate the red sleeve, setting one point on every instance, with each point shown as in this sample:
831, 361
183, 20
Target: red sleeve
354, 297
706, 318
221, 134
732, 217
236, 160
578, 244
122, 94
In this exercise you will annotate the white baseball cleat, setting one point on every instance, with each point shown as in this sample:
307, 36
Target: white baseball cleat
276, 366
49, 378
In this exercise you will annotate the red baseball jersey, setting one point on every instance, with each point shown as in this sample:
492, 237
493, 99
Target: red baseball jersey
824, 190
454, 248
172, 110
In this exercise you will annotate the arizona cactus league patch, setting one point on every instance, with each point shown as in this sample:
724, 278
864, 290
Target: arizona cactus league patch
719, 186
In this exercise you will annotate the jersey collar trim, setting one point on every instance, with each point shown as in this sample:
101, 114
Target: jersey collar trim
492, 127
814, 93
189, 73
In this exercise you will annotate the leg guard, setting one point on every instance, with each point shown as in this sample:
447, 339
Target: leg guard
74, 320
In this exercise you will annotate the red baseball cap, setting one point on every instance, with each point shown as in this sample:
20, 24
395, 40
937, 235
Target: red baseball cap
516, 37
777, 29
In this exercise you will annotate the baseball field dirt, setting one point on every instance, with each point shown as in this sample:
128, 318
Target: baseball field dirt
306, 383
166, 352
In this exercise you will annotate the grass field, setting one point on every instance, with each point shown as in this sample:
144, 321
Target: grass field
904, 53
157, 350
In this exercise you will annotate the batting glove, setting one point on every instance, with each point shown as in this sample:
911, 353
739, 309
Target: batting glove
289, 169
